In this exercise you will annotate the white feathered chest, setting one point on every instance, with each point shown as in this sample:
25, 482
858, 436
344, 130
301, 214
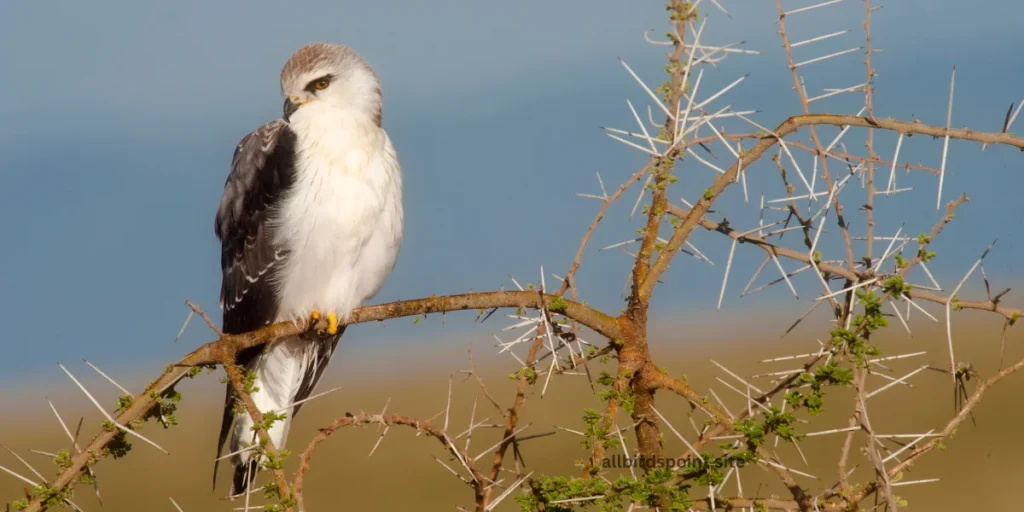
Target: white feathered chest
341, 222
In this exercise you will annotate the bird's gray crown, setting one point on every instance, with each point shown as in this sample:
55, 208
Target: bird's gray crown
352, 81
315, 59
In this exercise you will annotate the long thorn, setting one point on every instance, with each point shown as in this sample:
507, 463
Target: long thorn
107, 415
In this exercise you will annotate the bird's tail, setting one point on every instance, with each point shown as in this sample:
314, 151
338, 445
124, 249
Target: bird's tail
286, 372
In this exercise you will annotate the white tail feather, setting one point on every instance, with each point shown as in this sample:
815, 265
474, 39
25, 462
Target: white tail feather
279, 373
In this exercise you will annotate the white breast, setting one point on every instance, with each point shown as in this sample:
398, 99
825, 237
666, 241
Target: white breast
342, 221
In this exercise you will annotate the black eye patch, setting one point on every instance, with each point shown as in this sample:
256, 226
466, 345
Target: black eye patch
323, 82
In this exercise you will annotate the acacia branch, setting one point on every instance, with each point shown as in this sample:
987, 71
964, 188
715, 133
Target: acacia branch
512, 419
224, 349
578, 259
665, 381
819, 149
479, 480
265, 443
848, 274
949, 429
845, 157
701, 207
955, 422
936, 229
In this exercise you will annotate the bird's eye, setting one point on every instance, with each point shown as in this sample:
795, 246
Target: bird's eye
318, 84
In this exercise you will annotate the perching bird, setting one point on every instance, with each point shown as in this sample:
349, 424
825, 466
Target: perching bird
310, 225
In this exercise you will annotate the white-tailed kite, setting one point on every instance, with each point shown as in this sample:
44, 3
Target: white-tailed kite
310, 224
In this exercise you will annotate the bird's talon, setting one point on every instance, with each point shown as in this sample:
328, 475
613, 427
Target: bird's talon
332, 324
314, 317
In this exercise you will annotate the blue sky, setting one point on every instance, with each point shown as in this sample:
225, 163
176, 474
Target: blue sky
118, 123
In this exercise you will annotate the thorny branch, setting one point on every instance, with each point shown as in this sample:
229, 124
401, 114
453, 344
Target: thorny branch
479, 481
223, 350
267, 446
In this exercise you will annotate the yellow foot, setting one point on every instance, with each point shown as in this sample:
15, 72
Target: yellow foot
332, 324
314, 316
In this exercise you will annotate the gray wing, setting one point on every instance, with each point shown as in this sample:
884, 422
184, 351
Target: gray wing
262, 169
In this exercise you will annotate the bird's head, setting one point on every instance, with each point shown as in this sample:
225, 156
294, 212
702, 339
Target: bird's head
330, 76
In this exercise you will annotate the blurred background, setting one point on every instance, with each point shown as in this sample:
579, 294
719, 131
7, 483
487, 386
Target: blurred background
117, 130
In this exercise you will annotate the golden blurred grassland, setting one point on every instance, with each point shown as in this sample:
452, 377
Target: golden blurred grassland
980, 470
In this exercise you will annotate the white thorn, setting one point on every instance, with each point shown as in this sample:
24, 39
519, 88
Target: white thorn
108, 416
897, 381
895, 157
650, 93
808, 8
826, 57
945, 144
819, 38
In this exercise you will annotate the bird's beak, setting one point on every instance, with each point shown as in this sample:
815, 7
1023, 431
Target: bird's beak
290, 106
